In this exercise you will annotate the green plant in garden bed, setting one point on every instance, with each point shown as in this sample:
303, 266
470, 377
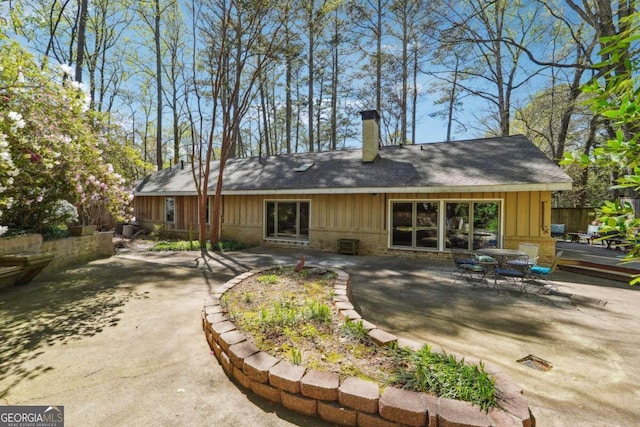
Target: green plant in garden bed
268, 279
194, 245
445, 376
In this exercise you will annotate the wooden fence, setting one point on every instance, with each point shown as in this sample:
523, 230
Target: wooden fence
574, 219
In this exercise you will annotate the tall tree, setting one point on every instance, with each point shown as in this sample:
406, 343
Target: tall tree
174, 41
151, 15
368, 19
498, 33
82, 26
314, 13
233, 75
610, 20
106, 23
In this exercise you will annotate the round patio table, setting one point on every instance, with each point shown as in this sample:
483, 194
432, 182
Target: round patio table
500, 255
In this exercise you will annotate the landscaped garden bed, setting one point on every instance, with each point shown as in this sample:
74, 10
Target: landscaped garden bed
291, 315
296, 340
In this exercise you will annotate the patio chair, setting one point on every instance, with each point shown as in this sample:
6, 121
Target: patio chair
515, 271
470, 267
531, 249
539, 274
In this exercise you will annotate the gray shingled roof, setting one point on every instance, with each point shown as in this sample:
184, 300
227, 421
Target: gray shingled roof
491, 164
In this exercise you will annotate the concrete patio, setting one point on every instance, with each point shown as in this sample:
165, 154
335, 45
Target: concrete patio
118, 341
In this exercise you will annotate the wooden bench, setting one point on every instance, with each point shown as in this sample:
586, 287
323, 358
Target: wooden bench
9, 275
30, 264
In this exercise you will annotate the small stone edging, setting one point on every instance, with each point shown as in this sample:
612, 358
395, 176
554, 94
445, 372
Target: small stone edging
352, 401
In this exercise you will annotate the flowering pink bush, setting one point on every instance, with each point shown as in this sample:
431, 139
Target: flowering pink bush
51, 147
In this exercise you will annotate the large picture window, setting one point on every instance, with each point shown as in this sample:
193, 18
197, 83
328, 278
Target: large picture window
439, 225
287, 220
415, 224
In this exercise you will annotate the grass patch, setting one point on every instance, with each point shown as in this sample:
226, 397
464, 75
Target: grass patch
194, 245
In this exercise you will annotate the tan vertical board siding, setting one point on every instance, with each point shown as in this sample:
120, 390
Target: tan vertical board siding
510, 214
535, 211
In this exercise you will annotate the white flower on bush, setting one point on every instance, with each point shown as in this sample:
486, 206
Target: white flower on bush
18, 121
63, 212
7, 172
66, 70
86, 101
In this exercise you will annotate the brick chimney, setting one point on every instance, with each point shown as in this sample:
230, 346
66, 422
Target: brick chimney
370, 135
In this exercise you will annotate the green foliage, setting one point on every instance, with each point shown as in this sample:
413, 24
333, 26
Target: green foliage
55, 232
318, 311
189, 245
616, 99
230, 245
157, 231
52, 147
178, 245
296, 356
485, 215
280, 314
445, 376
268, 279
354, 330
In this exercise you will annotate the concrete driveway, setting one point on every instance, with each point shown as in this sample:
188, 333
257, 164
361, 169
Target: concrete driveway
119, 342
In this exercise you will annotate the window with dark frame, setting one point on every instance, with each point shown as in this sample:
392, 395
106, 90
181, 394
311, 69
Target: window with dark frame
287, 219
170, 209
468, 225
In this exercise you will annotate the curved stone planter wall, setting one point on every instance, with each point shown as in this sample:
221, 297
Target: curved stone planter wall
352, 401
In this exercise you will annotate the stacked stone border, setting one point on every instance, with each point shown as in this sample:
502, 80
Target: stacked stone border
351, 401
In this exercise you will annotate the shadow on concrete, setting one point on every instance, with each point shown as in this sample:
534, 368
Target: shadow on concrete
64, 307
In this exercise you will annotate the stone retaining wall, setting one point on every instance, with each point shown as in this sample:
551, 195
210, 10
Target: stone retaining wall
352, 401
67, 252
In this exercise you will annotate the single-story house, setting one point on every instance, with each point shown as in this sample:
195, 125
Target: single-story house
411, 200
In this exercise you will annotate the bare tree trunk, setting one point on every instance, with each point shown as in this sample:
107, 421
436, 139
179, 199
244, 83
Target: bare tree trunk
414, 94
379, 58
156, 34
311, 70
584, 176
288, 109
405, 77
335, 69
82, 29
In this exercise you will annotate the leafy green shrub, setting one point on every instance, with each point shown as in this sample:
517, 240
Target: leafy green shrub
354, 330
55, 232
268, 279
445, 376
296, 356
280, 314
318, 311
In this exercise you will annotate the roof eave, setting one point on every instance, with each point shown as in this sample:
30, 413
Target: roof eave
552, 186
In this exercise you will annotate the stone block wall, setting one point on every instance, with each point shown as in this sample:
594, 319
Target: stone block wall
351, 401
17, 244
67, 252
77, 250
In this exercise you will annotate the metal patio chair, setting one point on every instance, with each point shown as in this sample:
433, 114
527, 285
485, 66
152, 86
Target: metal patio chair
515, 270
541, 275
531, 249
470, 267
